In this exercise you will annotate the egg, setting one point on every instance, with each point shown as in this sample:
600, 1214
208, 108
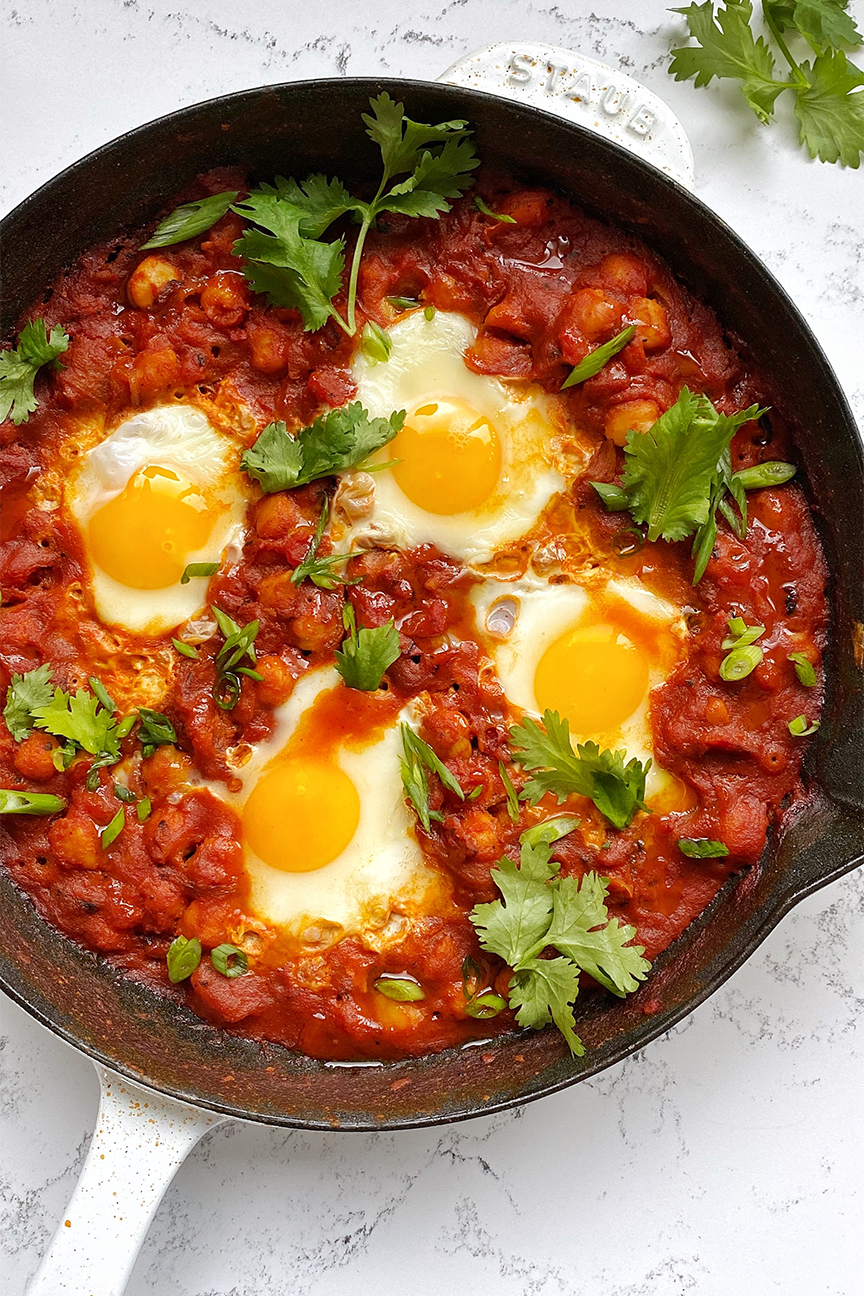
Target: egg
328, 840
162, 490
474, 467
592, 653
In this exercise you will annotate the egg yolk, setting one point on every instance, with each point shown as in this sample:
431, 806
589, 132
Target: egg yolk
143, 536
593, 676
451, 457
301, 815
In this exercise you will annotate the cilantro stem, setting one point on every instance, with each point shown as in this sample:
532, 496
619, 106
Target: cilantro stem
800, 79
365, 226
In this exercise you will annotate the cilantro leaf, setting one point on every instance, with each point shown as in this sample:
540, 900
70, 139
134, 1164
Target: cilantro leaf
539, 911
830, 111
670, 469
616, 788
727, 48
366, 653
825, 24
190, 219
19, 367
25, 692
80, 718
317, 201
436, 178
606, 953
297, 272
336, 441
402, 140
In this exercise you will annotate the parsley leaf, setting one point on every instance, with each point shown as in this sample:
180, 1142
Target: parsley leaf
190, 219
25, 692
19, 367
617, 790
336, 441
366, 654
830, 116
417, 758
539, 910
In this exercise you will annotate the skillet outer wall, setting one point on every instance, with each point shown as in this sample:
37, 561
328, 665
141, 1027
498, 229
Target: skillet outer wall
316, 126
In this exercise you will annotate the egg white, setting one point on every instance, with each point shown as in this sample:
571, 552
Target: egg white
381, 878
521, 618
427, 362
177, 437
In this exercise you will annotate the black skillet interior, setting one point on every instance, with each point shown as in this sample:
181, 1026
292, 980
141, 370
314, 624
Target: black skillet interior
314, 126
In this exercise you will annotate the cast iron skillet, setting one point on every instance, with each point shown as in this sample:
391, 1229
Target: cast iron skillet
298, 128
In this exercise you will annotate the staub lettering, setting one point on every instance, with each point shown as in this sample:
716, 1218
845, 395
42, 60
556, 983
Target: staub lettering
579, 86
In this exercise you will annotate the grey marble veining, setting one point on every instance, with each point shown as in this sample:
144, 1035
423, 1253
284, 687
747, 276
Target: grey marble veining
727, 1156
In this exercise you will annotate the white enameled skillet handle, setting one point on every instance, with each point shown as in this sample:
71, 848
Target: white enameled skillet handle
583, 91
138, 1145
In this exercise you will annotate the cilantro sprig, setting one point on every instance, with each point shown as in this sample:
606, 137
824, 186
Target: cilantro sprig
617, 789
541, 911
366, 653
334, 442
286, 257
19, 367
829, 101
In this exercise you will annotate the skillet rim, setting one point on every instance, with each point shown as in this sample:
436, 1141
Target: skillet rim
788, 896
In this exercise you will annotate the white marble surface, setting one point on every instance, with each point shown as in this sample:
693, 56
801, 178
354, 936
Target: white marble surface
727, 1157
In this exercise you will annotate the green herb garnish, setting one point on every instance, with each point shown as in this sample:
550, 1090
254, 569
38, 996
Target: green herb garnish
239, 643
183, 958
335, 442
599, 357
541, 911
485, 210
321, 570
156, 731
828, 101
743, 652
702, 848
143, 809
375, 343
114, 829
294, 267
34, 803
229, 960
799, 728
191, 219
185, 650
512, 797
417, 759
367, 653
617, 789
402, 989
24, 694
804, 669
19, 367
198, 569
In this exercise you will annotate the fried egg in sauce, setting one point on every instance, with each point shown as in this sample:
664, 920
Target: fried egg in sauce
474, 468
592, 654
162, 490
329, 842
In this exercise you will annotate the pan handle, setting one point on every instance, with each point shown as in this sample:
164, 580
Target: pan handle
584, 91
138, 1145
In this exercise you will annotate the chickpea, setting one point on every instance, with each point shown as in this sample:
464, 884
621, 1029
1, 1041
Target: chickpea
148, 279
278, 592
652, 326
278, 682
596, 314
625, 273
154, 369
225, 299
267, 350
75, 842
277, 516
634, 415
34, 757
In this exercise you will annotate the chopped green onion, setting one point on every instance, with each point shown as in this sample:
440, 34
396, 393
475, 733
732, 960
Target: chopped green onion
198, 569
35, 803
402, 989
252, 674
702, 848
183, 958
550, 830
599, 357
185, 650
124, 794
100, 692
429, 313
773, 473
512, 798
143, 809
474, 793
799, 728
220, 957
226, 692
485, 1005
190, 219
739, 663
156, 731
742, 635
125, 726
375, 343
64, 756
403, 303
803, 669
487, 211
114, 829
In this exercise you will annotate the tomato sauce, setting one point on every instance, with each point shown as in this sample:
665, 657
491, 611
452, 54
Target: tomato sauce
542, 291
